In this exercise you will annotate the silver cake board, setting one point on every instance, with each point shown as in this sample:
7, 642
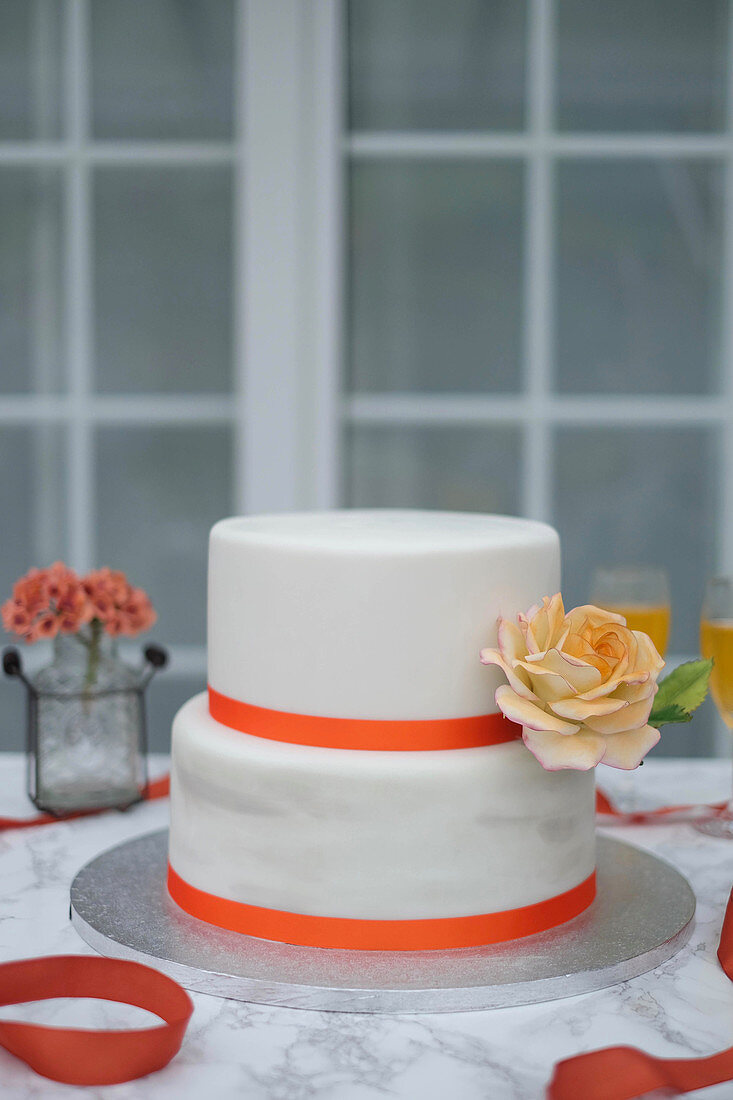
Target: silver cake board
642, 915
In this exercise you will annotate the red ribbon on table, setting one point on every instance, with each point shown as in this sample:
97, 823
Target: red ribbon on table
662, 815
84, 1057
622, 1073
159, 788
79, 1056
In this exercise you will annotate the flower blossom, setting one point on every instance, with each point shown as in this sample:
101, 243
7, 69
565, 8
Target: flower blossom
120, 608
47, 602
581, 685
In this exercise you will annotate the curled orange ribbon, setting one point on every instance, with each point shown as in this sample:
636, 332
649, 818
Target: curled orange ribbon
79, 1056
623, 1073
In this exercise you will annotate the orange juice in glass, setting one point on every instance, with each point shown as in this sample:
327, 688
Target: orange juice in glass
638, 592
716, 641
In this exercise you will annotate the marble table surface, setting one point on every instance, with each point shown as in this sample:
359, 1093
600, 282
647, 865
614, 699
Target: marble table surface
682, 1009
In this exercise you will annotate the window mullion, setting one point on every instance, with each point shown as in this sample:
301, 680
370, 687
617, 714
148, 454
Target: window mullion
725, 527
78, 289
270, 242
538, 259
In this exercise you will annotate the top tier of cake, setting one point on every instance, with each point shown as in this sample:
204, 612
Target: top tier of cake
369, 613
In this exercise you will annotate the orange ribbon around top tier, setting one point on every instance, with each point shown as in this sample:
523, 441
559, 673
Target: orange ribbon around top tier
362, 733
431, 934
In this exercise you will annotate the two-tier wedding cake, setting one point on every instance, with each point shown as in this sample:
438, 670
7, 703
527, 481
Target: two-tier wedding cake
347, 781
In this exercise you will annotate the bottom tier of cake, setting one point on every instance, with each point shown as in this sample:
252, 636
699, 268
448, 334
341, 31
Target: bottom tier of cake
381, 850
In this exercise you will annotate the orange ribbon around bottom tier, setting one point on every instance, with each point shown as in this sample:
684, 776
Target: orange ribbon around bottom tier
431, 934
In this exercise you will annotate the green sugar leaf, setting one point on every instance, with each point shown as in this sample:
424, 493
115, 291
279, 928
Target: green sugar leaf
664, 716
681, 693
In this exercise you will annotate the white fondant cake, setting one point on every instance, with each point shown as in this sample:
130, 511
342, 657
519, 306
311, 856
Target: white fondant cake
368, 620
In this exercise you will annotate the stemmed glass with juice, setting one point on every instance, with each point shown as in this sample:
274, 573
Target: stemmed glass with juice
716, 641
638, 592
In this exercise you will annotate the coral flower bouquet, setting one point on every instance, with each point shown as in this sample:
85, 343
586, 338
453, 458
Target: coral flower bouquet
47, 603
86, 724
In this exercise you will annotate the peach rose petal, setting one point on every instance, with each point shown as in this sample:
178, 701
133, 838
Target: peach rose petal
546, 685
594, 616
632, 693
548, 620
525, 625
556, 614
555, 752
510, 641
632, 651
580, 675
626, 750
577, 645
540, 629
633, 716
611, 648
525, 713
517, 680
577, 709
609, 686
648, 652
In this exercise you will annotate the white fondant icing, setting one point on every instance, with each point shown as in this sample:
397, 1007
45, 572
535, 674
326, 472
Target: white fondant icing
369, 614
372, 835
378, 615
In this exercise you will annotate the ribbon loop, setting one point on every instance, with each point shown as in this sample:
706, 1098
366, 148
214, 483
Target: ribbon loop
623, 1073
80, 1056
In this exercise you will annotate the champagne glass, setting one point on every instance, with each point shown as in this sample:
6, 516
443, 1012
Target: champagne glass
716, 641
641, 594
638, 592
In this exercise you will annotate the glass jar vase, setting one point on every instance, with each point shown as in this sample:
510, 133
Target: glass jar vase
86, 735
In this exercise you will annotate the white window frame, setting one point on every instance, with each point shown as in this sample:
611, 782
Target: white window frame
285, 152
290, 152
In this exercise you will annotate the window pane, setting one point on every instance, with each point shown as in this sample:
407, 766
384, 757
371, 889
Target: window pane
641, 64
159, 490
436, 272
163, 279
162, 69
12, 701
639, 496
30, 70
461, 469
31, 501
426, 64
639, 268
166, 694
34, 533
31, 336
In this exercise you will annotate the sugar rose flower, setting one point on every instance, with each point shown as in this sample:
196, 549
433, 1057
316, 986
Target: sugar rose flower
581, 685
